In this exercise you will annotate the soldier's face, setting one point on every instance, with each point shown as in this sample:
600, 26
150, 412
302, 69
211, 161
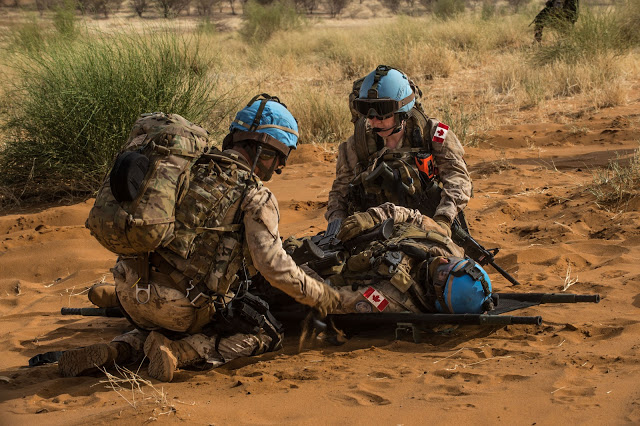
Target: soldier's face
387, 124
267, 165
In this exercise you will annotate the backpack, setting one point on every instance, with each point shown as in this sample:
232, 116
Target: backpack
134, 211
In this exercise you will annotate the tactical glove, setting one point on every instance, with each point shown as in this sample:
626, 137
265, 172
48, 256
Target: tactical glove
291, 244
355, 225
329, 301
444, 224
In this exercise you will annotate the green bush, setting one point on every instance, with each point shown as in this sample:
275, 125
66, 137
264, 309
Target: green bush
488, 10
64, 19
261, 22
75, 105
448, 8
628, 16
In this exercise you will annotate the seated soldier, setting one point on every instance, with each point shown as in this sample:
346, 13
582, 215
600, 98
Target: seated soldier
195, 309
417, 269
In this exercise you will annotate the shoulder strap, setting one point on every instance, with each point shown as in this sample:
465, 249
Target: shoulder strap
418, 120
365, 143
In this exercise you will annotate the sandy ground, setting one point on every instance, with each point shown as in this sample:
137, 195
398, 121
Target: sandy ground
580, 366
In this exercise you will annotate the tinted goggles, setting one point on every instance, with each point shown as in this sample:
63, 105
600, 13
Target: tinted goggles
376, 108
380, 108
269, 155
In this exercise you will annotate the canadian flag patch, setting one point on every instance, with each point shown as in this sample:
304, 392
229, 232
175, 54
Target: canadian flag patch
441, 133
376, 298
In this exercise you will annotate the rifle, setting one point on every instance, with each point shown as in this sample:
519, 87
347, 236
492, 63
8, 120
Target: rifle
324, 251
389, 180
476, 251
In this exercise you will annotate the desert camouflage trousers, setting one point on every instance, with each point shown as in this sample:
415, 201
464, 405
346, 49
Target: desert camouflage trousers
169, 309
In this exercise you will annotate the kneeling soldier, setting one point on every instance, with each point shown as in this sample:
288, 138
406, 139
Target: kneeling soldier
185, 297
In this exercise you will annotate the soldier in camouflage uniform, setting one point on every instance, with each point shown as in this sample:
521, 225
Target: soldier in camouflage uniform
418, 268
398, 154
195, 308
556, 13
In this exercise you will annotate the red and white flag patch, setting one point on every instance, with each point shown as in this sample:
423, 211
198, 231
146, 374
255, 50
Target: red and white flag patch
376, 298
441, 133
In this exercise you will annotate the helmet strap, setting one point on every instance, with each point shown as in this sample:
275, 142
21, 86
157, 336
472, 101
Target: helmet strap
398, 126
256, 158
266, 172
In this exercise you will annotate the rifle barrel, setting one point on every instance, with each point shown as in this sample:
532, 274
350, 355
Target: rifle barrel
93, 312
541, 298
504, 273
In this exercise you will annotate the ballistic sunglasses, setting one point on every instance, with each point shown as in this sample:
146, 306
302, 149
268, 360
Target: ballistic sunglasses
382, 108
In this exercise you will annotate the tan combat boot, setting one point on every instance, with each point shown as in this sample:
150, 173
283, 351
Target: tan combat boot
166, 355
76, 362
103, 295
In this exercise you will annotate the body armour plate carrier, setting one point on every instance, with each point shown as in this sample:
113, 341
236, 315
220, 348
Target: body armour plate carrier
385, 175
208, 246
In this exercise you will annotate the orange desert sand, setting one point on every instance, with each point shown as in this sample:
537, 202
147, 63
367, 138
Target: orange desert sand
581, 366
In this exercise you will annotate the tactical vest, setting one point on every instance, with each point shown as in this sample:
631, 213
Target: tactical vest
207, 250
403, 261
406, 176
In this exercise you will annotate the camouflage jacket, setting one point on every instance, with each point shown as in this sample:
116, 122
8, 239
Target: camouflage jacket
259, 244
449, 159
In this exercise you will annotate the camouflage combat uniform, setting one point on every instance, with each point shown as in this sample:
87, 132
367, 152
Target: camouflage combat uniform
556, 13
448, 155
169, 309
404, 287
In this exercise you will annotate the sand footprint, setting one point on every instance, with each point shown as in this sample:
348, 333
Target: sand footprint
360, 396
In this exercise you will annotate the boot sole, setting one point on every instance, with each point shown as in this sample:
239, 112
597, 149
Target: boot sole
75, 362
162, 363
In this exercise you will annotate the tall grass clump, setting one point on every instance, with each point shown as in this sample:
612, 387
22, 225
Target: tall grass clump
448, 8
323, 117
65, 21
628, 16
28, 37
261, 22
618, 183
462, 121
488, 10
74, 106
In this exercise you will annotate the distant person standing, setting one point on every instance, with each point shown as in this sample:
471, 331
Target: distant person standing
557, 13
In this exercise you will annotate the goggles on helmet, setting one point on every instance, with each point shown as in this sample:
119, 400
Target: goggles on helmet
380, 108
272, 146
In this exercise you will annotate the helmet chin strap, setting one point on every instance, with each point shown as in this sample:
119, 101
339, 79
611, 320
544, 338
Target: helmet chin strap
396, 128
266, 173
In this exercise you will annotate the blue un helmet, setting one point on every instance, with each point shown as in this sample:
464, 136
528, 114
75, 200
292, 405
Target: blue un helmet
462, 287
384, 92
267, 122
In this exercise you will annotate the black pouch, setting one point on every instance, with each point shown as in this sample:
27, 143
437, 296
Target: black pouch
127, 175
248, 314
